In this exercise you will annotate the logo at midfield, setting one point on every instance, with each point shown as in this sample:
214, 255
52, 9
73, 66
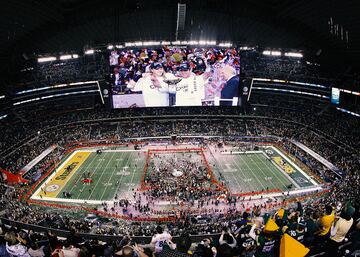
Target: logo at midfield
52, 188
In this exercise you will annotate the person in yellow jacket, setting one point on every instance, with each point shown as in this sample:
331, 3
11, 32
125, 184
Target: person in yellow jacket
326, 222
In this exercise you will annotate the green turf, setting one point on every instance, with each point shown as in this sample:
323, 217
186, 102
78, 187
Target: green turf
115, 173
111, 172
251, 172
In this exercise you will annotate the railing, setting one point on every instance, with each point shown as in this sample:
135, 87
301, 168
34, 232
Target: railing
105, 238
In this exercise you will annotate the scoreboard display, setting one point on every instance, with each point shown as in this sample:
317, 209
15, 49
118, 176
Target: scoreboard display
335, 95
174, 76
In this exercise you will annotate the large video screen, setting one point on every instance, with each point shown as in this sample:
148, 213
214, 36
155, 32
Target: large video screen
174, 76
335, 95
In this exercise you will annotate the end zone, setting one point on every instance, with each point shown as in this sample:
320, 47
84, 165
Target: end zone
55, 183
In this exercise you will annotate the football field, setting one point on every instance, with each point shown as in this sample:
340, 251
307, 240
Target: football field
253, 172
88, 176
267, 169
100, 177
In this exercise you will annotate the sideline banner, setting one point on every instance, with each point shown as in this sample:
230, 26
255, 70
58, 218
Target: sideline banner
318, 157
35, 161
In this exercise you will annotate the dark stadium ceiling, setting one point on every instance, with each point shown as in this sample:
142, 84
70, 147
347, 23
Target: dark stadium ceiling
46, 26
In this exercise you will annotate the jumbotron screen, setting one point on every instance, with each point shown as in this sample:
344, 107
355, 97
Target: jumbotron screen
174, 76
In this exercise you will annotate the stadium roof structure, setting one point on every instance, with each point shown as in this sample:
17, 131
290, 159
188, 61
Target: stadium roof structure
326, 27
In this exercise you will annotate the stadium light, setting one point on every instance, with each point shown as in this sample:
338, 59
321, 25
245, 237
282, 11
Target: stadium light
47, 59
276, 53
90, 51
225, 44
138, 43
349, 112
184, 42
2, 96
119, 46
151, 43
75, 56
246, 48
109, 47
165, 42
176, 42
193, 42
203, 42
273, 53
65, 57
291, 54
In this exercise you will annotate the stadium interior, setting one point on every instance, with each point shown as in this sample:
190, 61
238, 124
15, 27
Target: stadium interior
180, 128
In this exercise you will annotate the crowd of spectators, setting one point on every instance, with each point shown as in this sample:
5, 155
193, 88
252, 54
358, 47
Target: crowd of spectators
258, 65
330, 134
193, 185
36, 137
322, 226
82, 68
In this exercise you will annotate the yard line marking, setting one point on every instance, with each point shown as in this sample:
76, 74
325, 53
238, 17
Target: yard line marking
221, 170
91, 175
245, 185
117, 188
285, 174
80, 170
235, 178
102, 173
241, 186
117, 160
271, 169
132, 178
253, 174
262, 169
123, 165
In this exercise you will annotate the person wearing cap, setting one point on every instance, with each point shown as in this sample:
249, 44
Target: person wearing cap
154, 90
191, 89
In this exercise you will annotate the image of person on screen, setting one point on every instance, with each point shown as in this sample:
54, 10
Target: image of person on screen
231, 86
154, 90
191, 89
